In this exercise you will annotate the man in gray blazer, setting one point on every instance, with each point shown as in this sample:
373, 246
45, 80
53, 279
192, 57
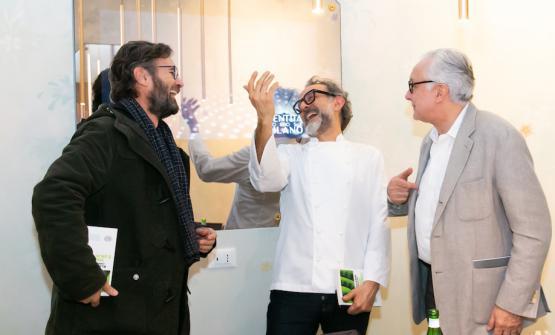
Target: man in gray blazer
478, 223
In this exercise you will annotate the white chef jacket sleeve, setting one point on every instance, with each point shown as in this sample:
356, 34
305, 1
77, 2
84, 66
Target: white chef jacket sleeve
272, 173
377, 259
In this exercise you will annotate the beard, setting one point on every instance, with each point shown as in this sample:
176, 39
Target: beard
318, 124
162, 103
313, 126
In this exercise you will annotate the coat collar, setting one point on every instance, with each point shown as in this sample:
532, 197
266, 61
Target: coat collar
137, 139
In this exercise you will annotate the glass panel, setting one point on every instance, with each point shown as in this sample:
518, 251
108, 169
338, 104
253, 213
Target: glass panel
217, 44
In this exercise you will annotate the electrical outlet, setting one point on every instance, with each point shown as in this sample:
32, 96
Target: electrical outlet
223, 258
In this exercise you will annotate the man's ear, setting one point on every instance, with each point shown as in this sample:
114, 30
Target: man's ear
141, 75
442, 92
339, 102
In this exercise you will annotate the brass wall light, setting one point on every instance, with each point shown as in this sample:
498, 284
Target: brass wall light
463, 10
121, 23
317, 7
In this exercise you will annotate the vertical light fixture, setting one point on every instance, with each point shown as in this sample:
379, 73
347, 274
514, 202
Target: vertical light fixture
121, 23
229, 63
179, 62
317, 7
82, 111
81, 61
463, 10
138, 11
153, 19
89, 83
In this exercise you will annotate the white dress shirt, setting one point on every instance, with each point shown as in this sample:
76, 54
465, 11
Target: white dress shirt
250, 208
333, 207
430, 185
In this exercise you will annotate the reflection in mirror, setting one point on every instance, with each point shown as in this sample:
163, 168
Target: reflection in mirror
217, 45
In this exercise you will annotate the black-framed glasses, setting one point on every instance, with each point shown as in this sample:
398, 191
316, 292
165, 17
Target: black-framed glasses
173, 70
309, 98
412, 84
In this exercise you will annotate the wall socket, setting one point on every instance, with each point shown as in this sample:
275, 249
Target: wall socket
223, 258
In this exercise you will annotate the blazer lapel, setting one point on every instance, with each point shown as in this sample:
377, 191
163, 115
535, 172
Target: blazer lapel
457, 161
424, 157
422, 163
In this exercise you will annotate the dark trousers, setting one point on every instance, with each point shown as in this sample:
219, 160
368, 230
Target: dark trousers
430, 300
292, 313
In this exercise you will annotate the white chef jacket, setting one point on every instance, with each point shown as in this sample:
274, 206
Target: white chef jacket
250, 208
333, 212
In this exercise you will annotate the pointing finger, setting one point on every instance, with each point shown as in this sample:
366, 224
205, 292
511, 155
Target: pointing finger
405, 174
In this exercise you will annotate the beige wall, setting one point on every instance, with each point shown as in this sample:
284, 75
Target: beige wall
511, 45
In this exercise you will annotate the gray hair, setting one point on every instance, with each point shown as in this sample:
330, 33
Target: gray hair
453, 68
332, 87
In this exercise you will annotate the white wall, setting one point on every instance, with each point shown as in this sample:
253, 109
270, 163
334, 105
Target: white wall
38, 118
233, 301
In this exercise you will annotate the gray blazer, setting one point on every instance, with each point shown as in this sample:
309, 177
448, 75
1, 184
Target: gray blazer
250, 208
491, 231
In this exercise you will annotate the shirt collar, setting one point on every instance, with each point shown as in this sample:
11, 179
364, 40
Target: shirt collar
453, 131
339, 138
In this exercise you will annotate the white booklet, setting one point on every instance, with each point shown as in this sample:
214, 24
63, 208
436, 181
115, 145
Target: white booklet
347, 280
102, 241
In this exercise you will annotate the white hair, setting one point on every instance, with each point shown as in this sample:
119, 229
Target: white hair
453, 68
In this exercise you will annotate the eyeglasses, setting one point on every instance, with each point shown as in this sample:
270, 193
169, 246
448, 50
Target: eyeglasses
173, 70
309, 98
412, 84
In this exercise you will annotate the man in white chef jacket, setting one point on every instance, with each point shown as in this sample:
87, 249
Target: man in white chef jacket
334, 209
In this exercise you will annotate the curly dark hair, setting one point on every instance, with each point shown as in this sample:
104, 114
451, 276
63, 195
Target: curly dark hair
332, 87
128, 57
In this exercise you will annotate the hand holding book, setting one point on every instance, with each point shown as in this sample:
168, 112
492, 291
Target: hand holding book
360, 294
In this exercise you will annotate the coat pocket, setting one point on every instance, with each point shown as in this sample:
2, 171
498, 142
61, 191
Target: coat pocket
122, 314
473, 200
485, 287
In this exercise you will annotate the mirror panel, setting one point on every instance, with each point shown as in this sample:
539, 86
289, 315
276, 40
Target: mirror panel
217, 45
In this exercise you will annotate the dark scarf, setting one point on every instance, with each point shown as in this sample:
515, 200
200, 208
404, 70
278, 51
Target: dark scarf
164, 145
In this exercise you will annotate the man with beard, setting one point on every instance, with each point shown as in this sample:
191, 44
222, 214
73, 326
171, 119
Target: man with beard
123, 170
334, 210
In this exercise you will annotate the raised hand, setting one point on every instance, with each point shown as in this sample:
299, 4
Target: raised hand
261, 95
188, 109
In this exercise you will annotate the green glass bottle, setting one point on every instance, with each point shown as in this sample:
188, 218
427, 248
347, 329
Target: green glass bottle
433, 322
